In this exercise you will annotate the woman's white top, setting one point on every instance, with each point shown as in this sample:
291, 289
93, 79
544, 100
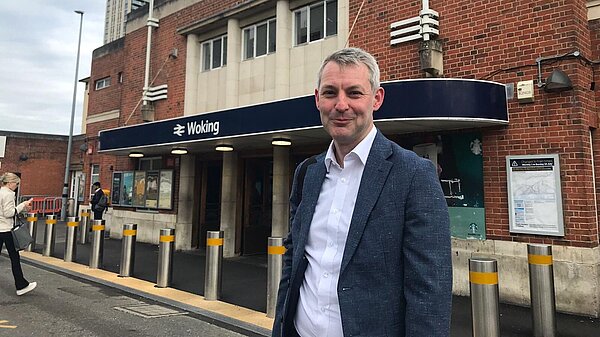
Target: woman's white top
7, 208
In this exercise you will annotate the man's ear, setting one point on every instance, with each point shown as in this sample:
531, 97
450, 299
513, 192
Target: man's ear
378, 98
317, 97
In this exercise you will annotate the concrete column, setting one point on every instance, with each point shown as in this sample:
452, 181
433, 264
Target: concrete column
283, 43
192, 70
185, 205
281, 191
343, 23
234, 42
229, 206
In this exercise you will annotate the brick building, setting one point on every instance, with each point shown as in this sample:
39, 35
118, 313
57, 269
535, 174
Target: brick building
500, 95
40, 159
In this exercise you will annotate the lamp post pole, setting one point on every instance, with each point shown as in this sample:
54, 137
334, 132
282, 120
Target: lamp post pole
63, 211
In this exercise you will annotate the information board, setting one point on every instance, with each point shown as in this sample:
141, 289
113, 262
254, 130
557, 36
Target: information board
534, 194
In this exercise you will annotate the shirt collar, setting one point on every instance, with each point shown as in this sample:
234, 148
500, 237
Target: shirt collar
361, 150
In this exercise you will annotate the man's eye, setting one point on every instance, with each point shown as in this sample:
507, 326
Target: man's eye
355, 94
328, 93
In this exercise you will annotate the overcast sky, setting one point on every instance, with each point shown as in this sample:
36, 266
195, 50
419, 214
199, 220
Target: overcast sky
38, 52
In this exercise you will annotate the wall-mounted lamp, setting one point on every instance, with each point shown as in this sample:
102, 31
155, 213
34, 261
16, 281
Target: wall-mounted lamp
23, 157
136, 155
281, 142
558, 81
179, 151
224, 148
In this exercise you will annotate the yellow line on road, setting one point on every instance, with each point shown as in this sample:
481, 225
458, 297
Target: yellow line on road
2, 326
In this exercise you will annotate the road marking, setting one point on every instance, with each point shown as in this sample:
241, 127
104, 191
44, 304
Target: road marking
2, 326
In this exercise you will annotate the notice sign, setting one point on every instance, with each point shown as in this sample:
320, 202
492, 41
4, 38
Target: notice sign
534, 195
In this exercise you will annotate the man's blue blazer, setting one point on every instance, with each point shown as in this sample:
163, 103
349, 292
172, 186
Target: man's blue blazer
396, 272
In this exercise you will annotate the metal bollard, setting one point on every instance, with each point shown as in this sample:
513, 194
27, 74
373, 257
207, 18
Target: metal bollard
71, 241
84, 226
128, 249
214, 265
49, 236
166, 246
32, 221
274, 268
97, 250
541, 285
483, 281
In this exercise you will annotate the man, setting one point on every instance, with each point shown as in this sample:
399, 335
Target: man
98, 206
368, 253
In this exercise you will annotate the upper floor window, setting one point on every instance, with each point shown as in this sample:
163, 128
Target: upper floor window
315, 22
103, 83
259, 39
214, 53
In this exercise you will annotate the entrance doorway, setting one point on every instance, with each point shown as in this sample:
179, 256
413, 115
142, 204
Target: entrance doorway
210, 200
257, 205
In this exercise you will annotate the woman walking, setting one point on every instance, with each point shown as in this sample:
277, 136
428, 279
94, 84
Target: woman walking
9, 183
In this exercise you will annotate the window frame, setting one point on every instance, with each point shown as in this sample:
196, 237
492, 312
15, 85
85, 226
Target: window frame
207, 66
322, 5
271, 25
102, 83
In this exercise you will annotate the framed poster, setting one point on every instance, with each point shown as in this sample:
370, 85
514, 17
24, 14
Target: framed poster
152, 189
534, 195
116, 188
165, 192
139, 188
127, 189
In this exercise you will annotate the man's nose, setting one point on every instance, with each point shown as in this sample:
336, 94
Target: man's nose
342, 103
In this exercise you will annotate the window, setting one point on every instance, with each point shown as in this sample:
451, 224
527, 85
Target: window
315, 22
94, 177
259, 39
103, 83
147, 164
214, 53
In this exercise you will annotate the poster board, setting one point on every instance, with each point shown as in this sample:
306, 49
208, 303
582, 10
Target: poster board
534, 195
143, 189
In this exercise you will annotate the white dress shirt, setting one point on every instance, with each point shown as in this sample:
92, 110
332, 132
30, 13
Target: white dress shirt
318, 312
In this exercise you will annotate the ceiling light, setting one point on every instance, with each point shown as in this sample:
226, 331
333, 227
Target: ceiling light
136, 155
281, 142
179, 151
224, 148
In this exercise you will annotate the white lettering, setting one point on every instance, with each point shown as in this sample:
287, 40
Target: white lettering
195, 128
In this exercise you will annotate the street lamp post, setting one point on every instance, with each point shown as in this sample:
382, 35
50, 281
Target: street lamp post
63, 211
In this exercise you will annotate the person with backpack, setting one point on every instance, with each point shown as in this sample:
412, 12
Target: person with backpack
99, 201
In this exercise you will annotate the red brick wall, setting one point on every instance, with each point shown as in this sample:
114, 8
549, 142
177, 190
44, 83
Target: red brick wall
41, 161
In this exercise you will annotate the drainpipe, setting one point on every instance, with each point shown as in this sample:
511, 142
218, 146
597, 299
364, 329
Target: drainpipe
147, 108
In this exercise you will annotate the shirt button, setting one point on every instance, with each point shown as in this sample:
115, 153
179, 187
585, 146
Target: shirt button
330, 243
323, 309
325, 274
334, 211
344, 180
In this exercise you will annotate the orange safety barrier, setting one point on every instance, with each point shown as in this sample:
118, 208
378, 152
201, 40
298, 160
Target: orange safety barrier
46, 205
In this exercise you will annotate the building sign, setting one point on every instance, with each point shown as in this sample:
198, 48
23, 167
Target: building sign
534, 195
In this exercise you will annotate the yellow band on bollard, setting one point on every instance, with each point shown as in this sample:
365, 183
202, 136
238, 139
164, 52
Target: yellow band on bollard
98, 227
276, 250
50, 221
214, 242
32, 219
483, 278
72, 224
167, 238
86, 214
129, 232
540, 259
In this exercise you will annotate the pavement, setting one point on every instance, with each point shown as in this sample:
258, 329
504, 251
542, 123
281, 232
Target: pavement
242, 305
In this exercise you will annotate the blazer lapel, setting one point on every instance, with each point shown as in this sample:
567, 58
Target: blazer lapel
373, 179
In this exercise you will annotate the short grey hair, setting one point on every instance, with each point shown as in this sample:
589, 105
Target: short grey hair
353, 56
9, 177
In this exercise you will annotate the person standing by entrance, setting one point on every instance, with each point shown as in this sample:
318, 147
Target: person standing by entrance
368, 253
98, 201
8, 211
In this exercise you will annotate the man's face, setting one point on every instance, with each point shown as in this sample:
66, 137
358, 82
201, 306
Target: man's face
346, 103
